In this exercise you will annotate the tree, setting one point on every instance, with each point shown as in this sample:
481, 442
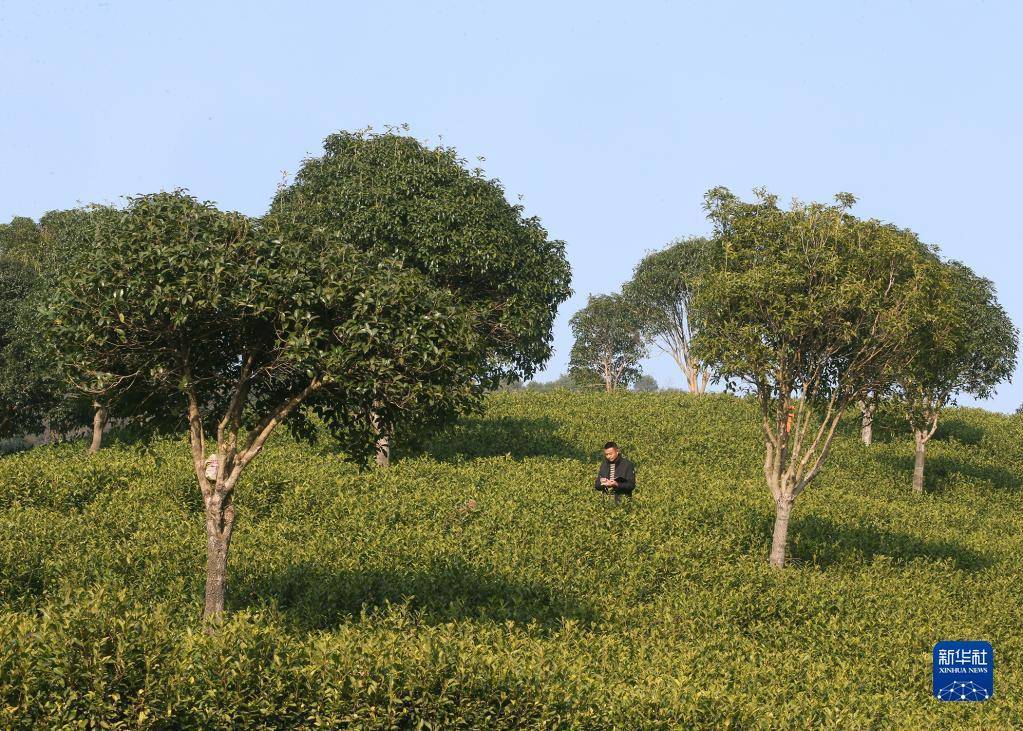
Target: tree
608, 345
33, 394
389, 196
44, 397
23, 395
868, 408
808, 311
645, 383
662, 289
181, 298
963, 342
20, 397
62, 235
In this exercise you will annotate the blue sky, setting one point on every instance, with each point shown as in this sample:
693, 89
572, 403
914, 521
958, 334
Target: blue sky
610, 119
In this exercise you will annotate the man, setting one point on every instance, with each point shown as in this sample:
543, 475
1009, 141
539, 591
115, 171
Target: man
617, 475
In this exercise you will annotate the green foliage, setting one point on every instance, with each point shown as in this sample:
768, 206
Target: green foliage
963, 341
608, 343
210, 291
33, 391
565, 381
23, 393
387, 599
807, 294
388, 196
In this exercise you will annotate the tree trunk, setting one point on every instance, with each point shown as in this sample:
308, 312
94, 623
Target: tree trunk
383, 443
918, 464
782, 511
219, 524
867, 425
99, 423
384, 452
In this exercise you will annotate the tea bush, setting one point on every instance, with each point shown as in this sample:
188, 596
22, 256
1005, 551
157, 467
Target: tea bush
480, 582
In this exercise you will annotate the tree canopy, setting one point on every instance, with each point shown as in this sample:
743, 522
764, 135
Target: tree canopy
389, 196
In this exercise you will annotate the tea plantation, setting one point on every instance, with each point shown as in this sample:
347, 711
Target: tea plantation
482, 583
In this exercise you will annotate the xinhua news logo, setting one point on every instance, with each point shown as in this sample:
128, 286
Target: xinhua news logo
964, 671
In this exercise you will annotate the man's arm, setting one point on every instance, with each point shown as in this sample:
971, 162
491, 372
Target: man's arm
627, 479
596, 482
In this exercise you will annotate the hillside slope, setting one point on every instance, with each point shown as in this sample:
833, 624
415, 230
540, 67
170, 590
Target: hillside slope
481, 582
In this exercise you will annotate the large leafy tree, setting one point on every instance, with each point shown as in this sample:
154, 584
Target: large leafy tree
41, 393
808, 309
963, 342
388, 196
662, 289
23, 393
178, 297
33, 393
608, 343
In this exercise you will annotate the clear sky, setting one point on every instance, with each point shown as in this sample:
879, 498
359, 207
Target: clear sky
610, 119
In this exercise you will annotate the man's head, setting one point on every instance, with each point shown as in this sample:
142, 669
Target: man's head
610, 451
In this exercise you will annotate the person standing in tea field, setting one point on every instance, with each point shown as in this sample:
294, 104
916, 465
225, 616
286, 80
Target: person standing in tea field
617, 475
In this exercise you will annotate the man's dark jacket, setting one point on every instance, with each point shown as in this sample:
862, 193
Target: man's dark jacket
625, 476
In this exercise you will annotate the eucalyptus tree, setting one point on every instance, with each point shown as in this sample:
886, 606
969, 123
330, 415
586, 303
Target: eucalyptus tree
963, 342
808, 309
608, 343
389, 196
662, 289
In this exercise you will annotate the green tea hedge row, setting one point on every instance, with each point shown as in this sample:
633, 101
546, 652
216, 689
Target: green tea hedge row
481, 583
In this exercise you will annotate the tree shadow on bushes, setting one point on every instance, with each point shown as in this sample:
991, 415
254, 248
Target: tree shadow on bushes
959, 430
940, 471
314, 597
520, 437
821, 542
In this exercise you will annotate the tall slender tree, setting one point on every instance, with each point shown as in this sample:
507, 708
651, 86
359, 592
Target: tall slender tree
662, 290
